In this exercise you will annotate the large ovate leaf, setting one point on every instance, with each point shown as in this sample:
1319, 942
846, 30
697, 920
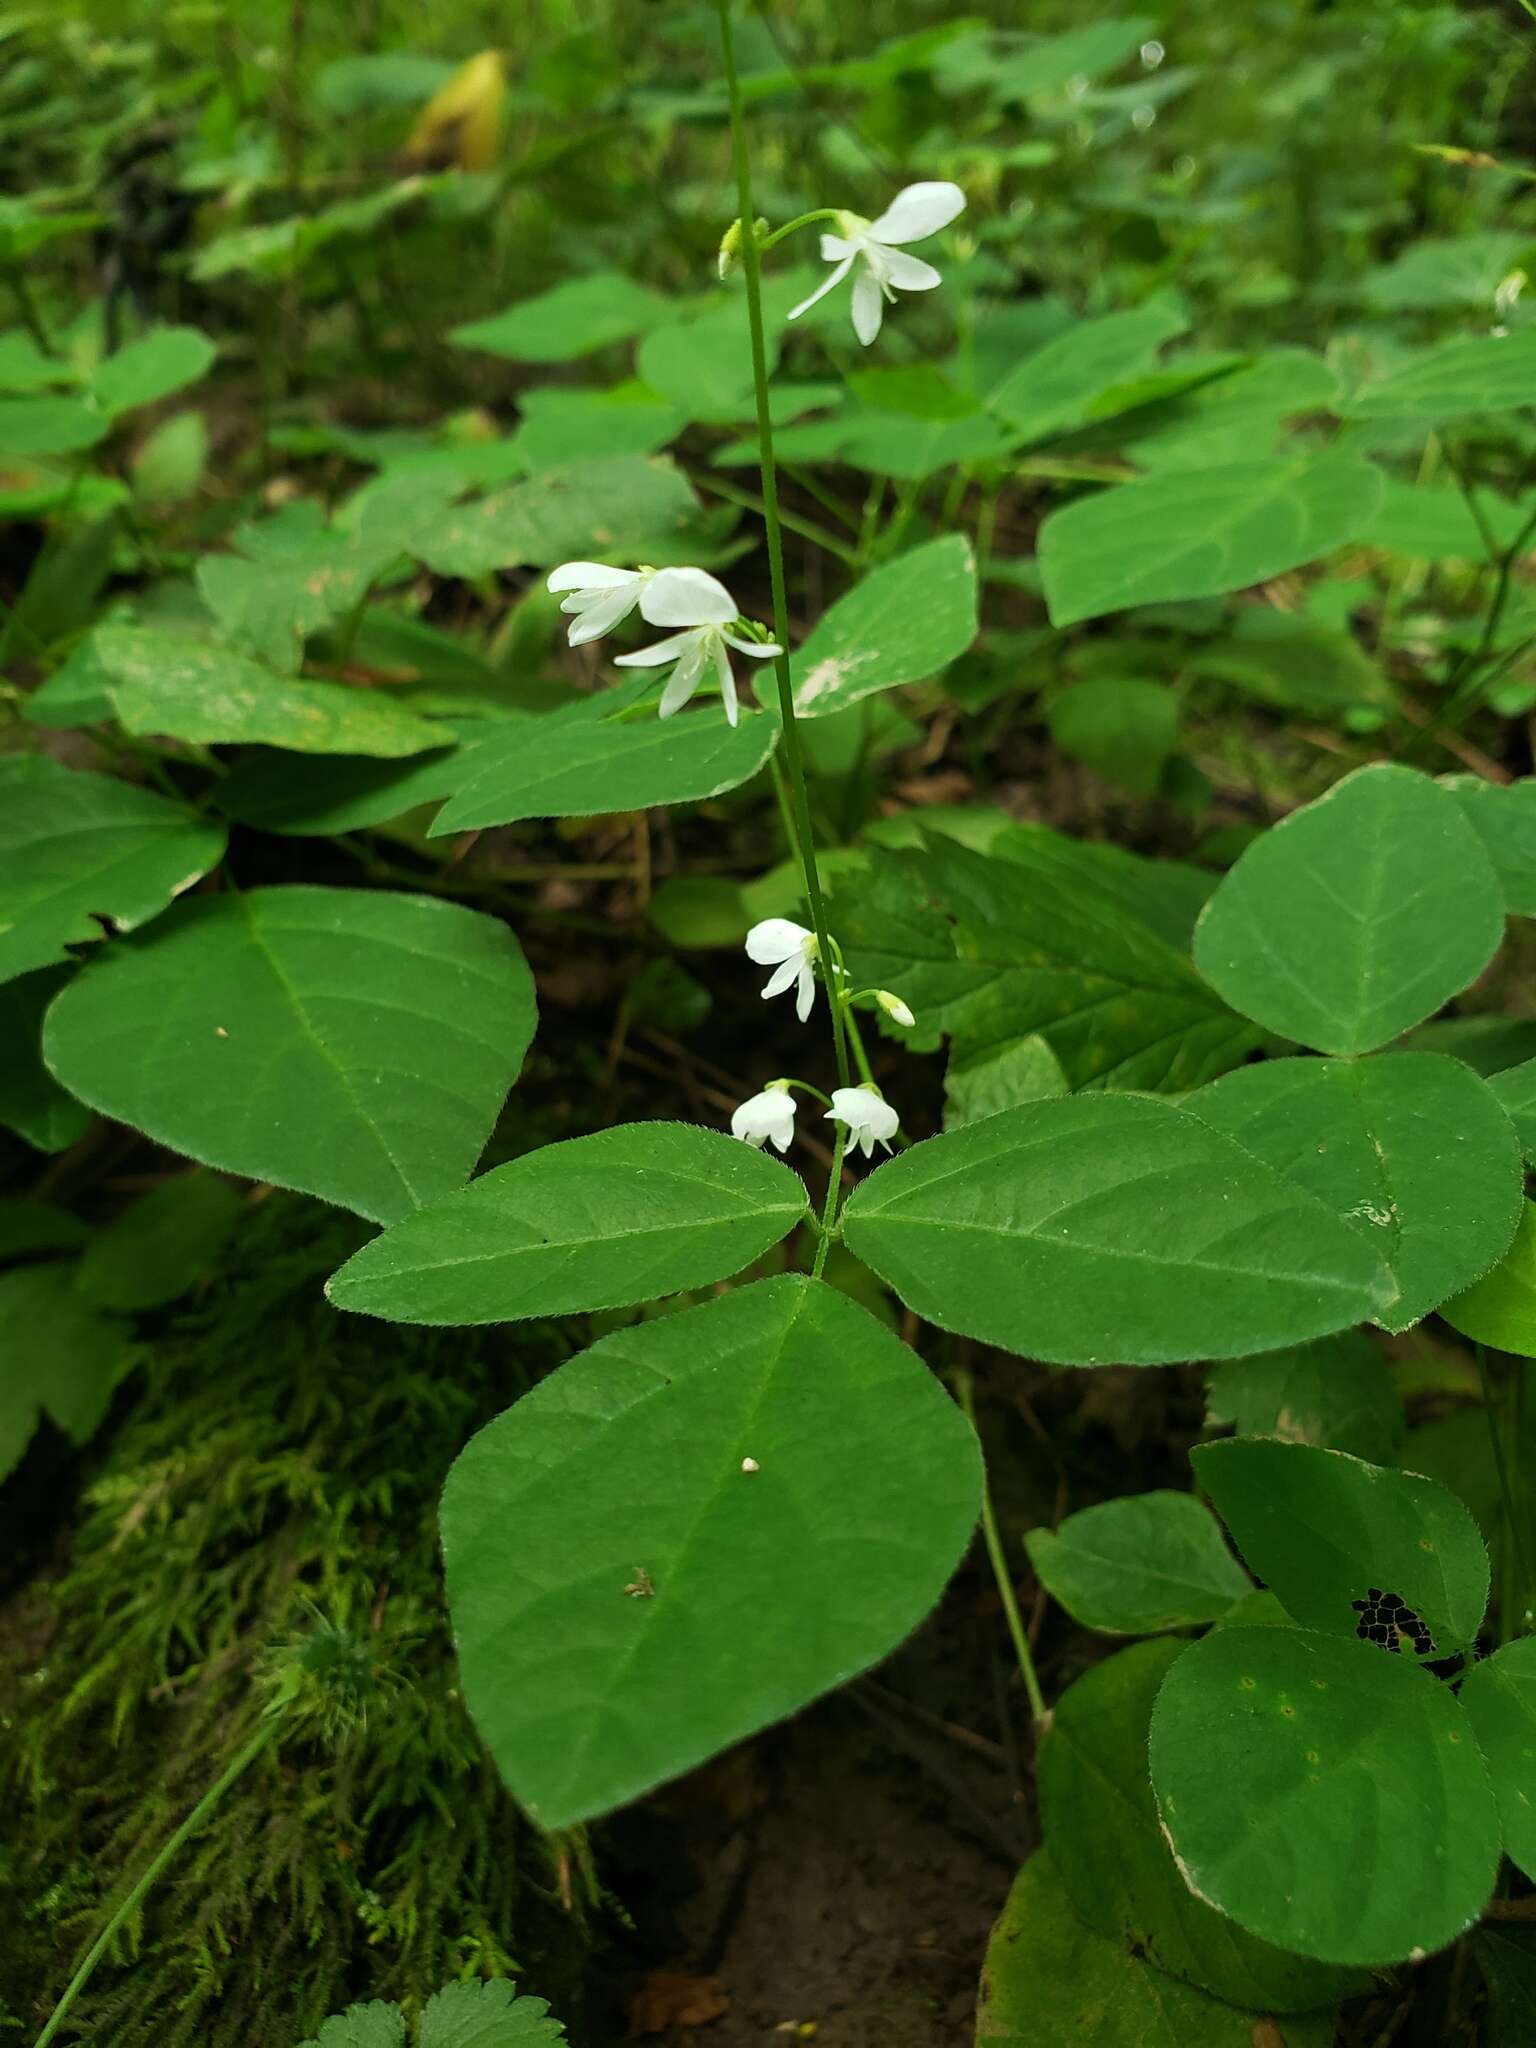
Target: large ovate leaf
1357, 917
1335, 1391
1500, 1309
1200, 532
160, 1245
626, 1215
314, 795
618, 506
1499, 1698
567, 321
79, 851
1338, 1542
31, 1102
1474, 373
1101, 1826
353, 1045
1134, 1566
769, 1493
1328, 1798
901, 624
1042, 938
1051, 1981
167, 683
61, 1359
1413, 1149
1503, 815
1053, 388
1109, 1229
158, 363
576, 763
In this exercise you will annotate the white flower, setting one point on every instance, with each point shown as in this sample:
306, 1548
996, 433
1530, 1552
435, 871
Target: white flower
915, 213
599, 596
790, 950
870, 1118
700, 602
768, 1115
898, 1011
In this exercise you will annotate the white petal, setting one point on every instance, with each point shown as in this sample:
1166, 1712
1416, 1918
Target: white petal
868, 306
670, 649
822, 289
760, 650
780, 978
776, 938
589, 576
919, 210
909, 273
726, 679
601, 615
687, 597
784, 1136
805, 992
834, 248
684, 679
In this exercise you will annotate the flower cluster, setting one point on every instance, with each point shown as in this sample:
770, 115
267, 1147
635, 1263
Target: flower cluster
769, 1116
597, 598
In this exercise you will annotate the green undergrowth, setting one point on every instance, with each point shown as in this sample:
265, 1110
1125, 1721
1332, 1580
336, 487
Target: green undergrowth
277, 1464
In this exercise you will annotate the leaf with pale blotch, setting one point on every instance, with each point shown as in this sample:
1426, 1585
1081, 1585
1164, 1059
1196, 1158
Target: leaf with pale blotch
903, 623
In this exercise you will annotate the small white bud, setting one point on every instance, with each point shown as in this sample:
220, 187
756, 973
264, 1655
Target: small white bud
894, 1007
750, 1465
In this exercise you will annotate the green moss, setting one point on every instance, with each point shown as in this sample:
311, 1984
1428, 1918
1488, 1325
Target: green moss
278, 1461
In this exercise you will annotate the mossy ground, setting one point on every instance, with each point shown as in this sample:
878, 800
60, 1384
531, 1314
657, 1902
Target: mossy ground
275, 1461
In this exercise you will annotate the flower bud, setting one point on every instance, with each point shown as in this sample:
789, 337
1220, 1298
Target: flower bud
894, 1007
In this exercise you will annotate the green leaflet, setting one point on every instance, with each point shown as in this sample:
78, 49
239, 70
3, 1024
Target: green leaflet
1336, 1392
1499, 1699
1109, 1229
626, 1215
1369, 1139
1196, 533
155, 682
1322, 1529
1134, 1566
575, 763
1050, 1981
355, 1045
901, 624
1356, 918
1281, 1750
571, 320
1075, 943
1101, 1826
31, 1102
773, 1493
62, 1359
79, 851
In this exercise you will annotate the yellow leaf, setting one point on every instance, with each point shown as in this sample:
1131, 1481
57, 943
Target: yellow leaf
461, 124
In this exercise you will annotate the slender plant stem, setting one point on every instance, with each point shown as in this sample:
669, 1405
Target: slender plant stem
713, 487
790, 227
786, 814
751, 264
188, 1828
1515, 1591
829, 1207
999, 1558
